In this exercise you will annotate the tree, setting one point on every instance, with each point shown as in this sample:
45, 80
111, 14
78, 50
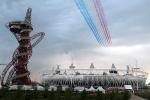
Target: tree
34, 92
58, 93
99, 96
28, 95
68, 94
126, 95
19, 93
3, 92
51, 95
46, 92
83, 95
112, 95
148, 97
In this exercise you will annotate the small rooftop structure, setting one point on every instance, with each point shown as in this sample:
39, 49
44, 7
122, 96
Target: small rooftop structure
113, 70
72, 66
92, 66
57, 70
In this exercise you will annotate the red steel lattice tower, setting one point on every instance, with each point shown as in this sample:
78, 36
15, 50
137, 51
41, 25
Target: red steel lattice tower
16, 72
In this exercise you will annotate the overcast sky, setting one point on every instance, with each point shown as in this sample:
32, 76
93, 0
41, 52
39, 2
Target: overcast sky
68, 38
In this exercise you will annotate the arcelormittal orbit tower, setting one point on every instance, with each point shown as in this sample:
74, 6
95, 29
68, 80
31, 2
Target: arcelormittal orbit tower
16, 72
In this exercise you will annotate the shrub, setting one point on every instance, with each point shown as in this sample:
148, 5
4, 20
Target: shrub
83, 95
126, 95
99, 96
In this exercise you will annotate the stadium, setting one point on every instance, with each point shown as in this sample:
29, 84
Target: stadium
93, 78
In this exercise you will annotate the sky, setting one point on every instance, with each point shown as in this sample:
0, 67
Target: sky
68, 38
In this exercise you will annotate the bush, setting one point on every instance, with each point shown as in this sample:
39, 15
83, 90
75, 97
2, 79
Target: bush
99, 96
83, 95
68, 94
28, 95
19, 94
112, 95
3, 92
126, 95
46, 92
51, 95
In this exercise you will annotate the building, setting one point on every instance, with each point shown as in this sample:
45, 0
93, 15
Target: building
105, 78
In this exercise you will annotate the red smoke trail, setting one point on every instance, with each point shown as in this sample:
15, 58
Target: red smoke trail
102, 20
87, 16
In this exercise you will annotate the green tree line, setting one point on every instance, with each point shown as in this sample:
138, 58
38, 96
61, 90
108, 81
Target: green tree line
19, 94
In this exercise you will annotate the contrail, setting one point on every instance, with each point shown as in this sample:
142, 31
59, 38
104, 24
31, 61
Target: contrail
88, 19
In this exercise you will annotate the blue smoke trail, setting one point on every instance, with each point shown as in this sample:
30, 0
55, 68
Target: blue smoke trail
88, 19
96, 34
91, 22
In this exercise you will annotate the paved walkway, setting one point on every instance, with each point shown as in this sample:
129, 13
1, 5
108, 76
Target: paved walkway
134, 97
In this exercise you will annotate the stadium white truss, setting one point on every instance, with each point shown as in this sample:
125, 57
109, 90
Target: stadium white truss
106, 78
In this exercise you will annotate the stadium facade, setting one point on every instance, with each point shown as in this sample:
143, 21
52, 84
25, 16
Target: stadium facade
105, 78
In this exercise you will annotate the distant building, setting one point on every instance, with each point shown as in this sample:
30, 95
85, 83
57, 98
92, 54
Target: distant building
105, 78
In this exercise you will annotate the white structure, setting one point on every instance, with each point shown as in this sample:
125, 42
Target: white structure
40, 88
79, 89
54, 88
129, 87
13, 87
22, 87
26, 87
91, 89
64, 88
96, 77
100, 89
